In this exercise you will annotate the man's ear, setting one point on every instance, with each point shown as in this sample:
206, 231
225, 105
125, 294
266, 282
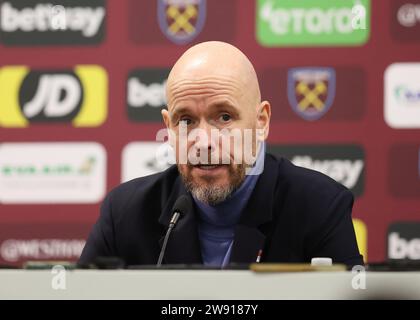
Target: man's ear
166, 117
166, 120
263, 119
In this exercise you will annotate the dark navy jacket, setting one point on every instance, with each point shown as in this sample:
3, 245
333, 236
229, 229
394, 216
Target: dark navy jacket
293, 215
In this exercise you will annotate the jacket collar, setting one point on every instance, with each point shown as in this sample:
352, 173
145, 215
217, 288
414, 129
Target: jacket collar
184, 245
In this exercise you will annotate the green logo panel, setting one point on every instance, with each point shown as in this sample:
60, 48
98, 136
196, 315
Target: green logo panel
286, 23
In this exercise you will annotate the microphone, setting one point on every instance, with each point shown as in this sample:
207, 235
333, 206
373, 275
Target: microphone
180, 208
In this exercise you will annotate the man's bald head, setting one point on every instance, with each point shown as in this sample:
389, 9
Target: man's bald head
214, 59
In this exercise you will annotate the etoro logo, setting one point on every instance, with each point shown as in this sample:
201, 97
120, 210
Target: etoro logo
146, 94
29, 22
309, 23
78, 96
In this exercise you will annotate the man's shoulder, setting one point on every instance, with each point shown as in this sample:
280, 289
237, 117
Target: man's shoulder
154, 185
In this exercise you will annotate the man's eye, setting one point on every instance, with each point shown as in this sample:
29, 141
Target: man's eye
185, 121
225, 117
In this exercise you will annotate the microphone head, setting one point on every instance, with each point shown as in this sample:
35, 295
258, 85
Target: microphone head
182, 205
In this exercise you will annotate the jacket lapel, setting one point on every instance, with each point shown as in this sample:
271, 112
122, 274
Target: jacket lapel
249, 236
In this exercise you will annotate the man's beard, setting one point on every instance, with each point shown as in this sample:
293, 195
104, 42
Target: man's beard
211, 193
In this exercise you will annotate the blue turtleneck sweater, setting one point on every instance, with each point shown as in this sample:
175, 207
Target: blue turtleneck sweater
217, 223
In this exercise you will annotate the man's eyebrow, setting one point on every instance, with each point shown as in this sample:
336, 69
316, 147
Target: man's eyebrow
224, 105
177, 111
217, 105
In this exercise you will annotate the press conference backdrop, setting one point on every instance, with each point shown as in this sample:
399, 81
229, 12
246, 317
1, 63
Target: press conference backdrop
82, 85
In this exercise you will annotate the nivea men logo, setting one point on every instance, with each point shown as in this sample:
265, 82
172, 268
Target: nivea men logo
343, 163
404, 241
29, 22
29, 96
146, 94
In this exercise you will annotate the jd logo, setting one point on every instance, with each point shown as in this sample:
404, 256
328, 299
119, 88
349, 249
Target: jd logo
53, 97
77, 96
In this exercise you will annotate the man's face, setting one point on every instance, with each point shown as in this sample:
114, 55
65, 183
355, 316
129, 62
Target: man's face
208, 110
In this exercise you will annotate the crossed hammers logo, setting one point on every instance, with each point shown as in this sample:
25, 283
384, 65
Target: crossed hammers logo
182, 19
311, 96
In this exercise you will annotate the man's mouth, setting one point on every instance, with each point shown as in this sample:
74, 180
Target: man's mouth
209, 168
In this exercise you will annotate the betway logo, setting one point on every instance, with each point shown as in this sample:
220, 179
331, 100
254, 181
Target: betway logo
347, 172
47, 17
14, 250
141, 94
400, 248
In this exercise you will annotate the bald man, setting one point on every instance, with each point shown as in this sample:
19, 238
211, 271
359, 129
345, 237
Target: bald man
242, 205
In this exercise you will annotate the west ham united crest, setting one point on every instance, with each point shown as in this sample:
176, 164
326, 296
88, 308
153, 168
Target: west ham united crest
181, 20
311, 91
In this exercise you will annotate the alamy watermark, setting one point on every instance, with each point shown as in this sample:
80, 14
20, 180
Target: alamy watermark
220, 147
58, 280
358, 21
358, 282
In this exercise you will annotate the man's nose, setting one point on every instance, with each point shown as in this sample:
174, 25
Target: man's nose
205, 140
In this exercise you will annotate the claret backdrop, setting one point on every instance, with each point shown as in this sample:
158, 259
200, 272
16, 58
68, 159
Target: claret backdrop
82, 84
